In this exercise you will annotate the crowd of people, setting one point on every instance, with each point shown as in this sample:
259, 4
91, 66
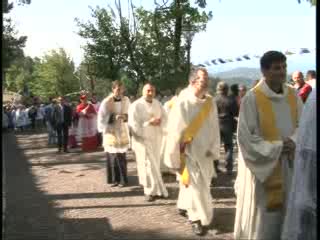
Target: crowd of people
275, 139
21, 117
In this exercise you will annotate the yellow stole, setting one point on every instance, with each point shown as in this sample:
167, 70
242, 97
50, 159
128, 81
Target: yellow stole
190, 133
171, 102
274, 183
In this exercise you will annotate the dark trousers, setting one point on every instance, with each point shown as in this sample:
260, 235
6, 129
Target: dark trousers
99, 136
63, 135
227, 139
117, 168
33, 123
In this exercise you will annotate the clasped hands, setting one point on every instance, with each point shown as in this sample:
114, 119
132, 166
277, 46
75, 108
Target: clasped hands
289, 146
155, 121
120, 117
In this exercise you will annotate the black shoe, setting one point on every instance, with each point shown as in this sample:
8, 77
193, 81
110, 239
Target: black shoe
164, 197
114, 184
216, 164
197, 228
149, 198
182, 212
66, 151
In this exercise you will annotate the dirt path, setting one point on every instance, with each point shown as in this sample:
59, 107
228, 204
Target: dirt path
64, 196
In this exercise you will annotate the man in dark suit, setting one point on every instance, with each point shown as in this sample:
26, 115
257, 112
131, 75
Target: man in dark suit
61, 120
227, 112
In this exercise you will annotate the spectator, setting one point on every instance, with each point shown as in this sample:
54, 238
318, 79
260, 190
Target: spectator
227, 112
311, 78
302, 87
62, 121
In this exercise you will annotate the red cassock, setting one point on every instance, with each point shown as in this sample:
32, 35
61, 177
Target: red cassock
88, 127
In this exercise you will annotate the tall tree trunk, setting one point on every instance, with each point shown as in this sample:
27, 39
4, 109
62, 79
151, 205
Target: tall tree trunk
177, 32
129, 41
188, 59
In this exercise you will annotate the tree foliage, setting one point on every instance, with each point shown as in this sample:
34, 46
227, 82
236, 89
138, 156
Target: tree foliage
7, 7
51, 75
312, 2
19, 74
144, 45
54, 75
12, 44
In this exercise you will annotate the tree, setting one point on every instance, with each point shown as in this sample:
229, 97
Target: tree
187, 21
103, 49
19, 74
7, 7
12, 45
54, 75
143, 46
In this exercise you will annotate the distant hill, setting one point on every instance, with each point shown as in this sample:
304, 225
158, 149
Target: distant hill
241, 75
241, 72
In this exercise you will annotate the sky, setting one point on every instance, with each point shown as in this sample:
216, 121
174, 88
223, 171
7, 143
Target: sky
238, 27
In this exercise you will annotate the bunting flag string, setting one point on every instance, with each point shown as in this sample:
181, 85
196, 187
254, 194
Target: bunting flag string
218, 61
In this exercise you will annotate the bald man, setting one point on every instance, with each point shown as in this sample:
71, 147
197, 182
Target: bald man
311, 78
146, 121
193, 143
302, 87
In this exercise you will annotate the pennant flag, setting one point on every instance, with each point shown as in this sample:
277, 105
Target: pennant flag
221, 60
247, 57
214, 61
304, 50
288, 53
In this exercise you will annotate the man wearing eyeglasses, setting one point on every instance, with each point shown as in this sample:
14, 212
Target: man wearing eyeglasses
193, 142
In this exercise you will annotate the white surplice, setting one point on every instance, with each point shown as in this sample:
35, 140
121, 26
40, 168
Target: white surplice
146, 143
301, 216
119, 128
196, 198
256, 161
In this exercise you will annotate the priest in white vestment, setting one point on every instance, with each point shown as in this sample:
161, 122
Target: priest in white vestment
112, 123
146, 121
268, 122
193, 143
301, 215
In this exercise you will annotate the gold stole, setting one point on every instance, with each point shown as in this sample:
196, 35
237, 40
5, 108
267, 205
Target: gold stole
171, 102
274, 183
190, 133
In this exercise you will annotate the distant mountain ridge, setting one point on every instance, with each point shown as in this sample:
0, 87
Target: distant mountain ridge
241, 75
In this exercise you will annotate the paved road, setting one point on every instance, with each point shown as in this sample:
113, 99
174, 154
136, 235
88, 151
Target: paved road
64, 197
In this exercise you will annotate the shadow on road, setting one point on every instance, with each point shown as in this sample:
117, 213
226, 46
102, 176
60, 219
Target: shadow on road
32, 215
